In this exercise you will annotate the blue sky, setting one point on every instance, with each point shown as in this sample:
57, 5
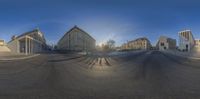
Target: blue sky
121, 20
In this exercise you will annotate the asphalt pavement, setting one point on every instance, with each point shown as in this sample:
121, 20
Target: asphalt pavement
141, 75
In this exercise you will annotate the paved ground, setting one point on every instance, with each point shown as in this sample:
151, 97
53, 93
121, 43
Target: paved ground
142, 75
191, 54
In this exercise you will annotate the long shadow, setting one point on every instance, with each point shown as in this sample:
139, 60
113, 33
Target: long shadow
179, 60
107, 63
60, 60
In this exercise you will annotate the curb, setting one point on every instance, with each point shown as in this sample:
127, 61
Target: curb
21, 58
196, 58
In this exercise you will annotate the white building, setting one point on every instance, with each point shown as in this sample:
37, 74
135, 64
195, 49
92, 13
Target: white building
28, 43
186, 40
197, 45
166, 43
76, 39
2, 43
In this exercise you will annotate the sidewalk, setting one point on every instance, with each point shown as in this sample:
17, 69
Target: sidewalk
190, 55
125, 52
11, 56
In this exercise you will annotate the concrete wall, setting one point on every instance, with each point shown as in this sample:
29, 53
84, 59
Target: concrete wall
166, 43
76, 40
4, 49
14, 46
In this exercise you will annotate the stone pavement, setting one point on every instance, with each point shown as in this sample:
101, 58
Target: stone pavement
12, 56
191, 55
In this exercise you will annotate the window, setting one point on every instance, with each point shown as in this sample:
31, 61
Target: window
162, 44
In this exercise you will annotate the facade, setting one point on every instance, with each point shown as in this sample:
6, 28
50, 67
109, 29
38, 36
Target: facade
28, 43
140, 43
197, 45
186, 40
166, 43
3, 47
2, 43
124, 46
76, 40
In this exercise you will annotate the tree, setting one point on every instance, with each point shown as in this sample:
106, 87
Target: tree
111, 44
108, 46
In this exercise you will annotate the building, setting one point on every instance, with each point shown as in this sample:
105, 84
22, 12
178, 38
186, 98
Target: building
166, 43
137, 44
28, 43
124, 46
76, 39
3, 47
197, 45
186, 40
2, 43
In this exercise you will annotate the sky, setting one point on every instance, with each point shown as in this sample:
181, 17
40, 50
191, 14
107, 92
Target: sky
120, 20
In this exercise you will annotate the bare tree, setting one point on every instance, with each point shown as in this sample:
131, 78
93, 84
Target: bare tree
111, 44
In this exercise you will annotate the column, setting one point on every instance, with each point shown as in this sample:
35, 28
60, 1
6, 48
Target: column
26, 45
29, 45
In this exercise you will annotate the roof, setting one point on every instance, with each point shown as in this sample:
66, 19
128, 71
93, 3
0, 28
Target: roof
185, 31
29, 32
142, 38
26, 33
166, 37
76, 27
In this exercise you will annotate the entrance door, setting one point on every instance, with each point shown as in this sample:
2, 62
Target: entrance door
186, 46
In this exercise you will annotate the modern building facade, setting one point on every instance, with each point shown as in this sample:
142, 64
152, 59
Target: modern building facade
76, 39
186, 40
137, 44
28, 43
166, 43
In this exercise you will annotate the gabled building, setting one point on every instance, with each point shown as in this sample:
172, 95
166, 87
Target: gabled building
28, 43
166, 43
186, 40
76, 39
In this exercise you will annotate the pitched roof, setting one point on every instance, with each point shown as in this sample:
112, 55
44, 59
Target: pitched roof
26, 33
76, 27
29, 32
142, 38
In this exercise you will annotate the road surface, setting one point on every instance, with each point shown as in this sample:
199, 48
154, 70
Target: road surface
141, 75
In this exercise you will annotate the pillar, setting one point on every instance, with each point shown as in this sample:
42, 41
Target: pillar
26, 45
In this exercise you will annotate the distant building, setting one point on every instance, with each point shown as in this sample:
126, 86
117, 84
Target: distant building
76, 39
166, 43
3, 47
137, 44
186, 40
197, 45
28, 43
124, 46
2, 43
